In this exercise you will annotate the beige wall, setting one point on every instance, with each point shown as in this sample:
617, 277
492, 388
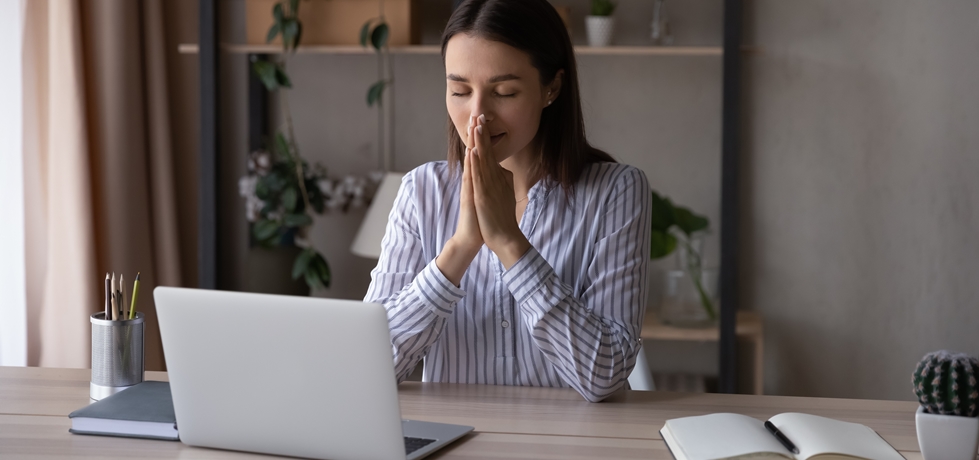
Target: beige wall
861, 160
860, 157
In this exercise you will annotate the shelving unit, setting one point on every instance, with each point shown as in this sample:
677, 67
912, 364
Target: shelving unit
209, 49
193, 48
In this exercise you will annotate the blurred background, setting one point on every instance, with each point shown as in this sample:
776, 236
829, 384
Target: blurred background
856, 130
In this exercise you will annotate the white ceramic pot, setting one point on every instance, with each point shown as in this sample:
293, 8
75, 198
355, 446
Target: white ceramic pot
947, 437
600, 30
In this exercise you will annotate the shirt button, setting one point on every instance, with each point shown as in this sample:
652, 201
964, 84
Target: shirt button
505, 323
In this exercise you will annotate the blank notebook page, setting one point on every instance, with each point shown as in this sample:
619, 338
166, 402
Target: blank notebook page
815, 435
718, 436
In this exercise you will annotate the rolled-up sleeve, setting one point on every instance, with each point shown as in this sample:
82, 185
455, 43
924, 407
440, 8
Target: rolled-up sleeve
592, 338
417, 296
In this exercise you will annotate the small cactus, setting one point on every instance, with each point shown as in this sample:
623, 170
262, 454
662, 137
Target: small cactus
946, 384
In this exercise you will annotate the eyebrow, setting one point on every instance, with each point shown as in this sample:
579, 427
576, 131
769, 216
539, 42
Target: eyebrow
495, 79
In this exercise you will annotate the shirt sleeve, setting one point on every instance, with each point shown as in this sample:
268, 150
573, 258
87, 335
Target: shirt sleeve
417, 296
592, 339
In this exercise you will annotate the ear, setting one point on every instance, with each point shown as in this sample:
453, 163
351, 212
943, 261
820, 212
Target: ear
552, 89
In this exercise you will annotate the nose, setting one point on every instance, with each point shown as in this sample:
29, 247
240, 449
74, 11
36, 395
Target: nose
482, 105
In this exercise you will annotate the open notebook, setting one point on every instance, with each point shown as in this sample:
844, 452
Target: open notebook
735, 436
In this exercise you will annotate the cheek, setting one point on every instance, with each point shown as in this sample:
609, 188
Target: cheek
459, 114
523, 122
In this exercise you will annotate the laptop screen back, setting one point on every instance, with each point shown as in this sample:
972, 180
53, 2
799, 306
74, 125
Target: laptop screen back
297, 376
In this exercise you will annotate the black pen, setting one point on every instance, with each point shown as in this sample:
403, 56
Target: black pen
781, 437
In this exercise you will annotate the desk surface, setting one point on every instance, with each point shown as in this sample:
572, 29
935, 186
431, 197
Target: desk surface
511, 422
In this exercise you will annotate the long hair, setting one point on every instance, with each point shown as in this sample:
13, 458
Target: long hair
534, 27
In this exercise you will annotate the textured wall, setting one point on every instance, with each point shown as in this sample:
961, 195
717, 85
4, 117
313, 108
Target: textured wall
860, 169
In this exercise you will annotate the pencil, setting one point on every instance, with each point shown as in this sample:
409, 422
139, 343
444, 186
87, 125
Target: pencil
115, 301
132, 307
122, 298
108, 298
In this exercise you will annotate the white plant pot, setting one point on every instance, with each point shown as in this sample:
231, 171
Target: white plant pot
600, 30
947, 437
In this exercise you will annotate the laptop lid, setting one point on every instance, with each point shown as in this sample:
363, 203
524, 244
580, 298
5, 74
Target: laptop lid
298, 376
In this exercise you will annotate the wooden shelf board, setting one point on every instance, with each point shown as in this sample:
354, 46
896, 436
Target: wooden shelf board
749, 324
192, 48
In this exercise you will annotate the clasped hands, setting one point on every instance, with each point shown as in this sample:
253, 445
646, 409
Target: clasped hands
487, 208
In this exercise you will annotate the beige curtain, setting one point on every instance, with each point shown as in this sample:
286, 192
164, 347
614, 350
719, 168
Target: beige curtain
98, 169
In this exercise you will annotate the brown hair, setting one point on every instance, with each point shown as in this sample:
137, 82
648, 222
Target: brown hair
534, 27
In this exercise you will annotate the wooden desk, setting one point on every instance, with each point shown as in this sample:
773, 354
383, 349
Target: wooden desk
511, 422
748, 327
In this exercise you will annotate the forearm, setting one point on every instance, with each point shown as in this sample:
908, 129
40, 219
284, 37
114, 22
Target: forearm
416, 312
592, 341
455, 259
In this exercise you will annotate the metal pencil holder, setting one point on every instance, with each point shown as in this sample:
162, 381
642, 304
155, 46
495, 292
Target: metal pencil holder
117, 355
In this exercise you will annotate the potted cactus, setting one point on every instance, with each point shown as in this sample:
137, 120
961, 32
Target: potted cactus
600, 25
948, 418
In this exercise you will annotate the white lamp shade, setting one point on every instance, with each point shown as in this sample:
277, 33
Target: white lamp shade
368, 240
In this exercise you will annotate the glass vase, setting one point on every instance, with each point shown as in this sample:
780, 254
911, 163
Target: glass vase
690, 292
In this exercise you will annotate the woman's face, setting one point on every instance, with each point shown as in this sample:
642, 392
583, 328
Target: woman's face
485, 77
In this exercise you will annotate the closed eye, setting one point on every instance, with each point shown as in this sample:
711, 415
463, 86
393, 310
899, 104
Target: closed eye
454, 94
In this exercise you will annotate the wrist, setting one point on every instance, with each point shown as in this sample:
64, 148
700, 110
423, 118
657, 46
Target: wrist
454, 260
512, 250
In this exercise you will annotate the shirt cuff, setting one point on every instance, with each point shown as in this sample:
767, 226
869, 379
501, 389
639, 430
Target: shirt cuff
437, 290
527, 275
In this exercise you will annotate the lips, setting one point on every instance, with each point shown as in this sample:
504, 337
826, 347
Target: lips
494, 139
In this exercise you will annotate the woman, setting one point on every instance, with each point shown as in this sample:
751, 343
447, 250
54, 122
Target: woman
522, 259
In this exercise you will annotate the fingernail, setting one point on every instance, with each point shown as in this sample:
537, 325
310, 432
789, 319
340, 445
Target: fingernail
482, 118
479, 129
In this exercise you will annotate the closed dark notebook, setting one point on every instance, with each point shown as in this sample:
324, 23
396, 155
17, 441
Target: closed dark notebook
143, 411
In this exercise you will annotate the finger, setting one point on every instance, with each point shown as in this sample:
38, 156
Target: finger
475, 170
465, 194
469, 132
480, 140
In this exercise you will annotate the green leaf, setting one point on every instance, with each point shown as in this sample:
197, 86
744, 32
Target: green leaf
281, 78
282, 146
379, 38
294, 7
289, 31
365, 31
299, 34
273, 31
662, 213
374, 93
289, 198
302, 262
688, 222
266, 72
661, 244
311, 280
262, 189
602, 7
273, 183
265, 229
277, 12
323, 269
297, 220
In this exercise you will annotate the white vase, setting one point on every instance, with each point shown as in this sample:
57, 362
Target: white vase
600, 30
947, 437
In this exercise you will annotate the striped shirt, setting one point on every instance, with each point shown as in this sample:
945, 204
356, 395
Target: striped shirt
566, 314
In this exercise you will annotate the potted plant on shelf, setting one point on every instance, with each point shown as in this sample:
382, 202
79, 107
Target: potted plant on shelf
600, 25
282, 190
948, 419
690, 289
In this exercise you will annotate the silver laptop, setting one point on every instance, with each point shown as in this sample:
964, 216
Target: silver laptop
297, 376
